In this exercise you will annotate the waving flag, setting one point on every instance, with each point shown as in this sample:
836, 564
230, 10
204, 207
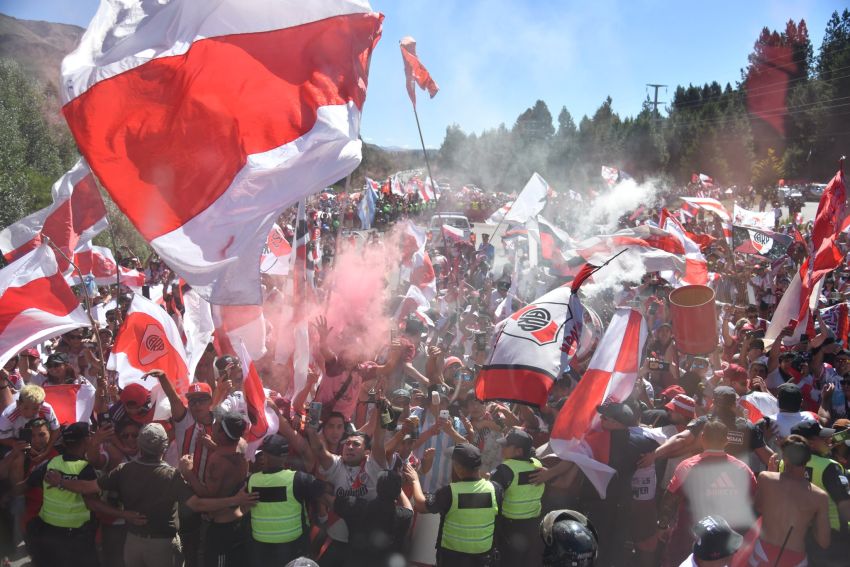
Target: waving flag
530, 202
452, 234
415, 72
148, 339
577, 435
275, 258
499, 215
255, 397
526, 357
761, 242
75, 217
71, 402
36, 303
99, 263
366, 206
416, 262
696, 267
205, 120
657, 249
610, 174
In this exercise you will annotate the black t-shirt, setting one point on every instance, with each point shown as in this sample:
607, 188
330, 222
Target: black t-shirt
743, 437
833, 484
655, 418
376, 529
626, 449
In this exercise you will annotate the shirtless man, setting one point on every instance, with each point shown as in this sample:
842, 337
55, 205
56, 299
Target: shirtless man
789, 506
226, 542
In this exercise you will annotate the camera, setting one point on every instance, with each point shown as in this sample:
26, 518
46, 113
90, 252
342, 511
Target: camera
657, 364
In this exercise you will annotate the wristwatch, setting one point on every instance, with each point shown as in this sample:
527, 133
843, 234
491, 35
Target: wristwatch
662, 525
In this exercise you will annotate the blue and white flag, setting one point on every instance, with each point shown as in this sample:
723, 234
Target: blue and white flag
366, 206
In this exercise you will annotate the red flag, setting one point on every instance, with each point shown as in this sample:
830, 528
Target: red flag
35, 303
149, 340
71, 402
830, 209
75, 217
414, 71
577, 435
255, 397
696, 267
207, 119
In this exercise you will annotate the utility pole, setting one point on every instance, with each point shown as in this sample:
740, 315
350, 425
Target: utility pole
655, 102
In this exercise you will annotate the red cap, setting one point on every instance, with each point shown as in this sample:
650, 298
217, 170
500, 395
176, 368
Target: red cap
32, 351
683, 405
451, 360
199, 389
135, 393
735, 373
671, 392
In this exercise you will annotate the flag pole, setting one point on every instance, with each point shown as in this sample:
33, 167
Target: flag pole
425, 153
88, 303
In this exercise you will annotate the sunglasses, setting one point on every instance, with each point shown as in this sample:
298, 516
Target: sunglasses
199, 401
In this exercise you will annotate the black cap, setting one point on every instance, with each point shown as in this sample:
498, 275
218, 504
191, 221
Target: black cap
275, 445
619, 412
467, 455
789, 397
233, 424
725, 392
811, 429
715, 539
517, 438
76, 432
57, 358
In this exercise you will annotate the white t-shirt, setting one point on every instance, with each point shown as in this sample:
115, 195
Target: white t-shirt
11, 420
786, 420
689, 562
360, 481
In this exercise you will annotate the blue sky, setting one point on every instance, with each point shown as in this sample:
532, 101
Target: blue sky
494, 58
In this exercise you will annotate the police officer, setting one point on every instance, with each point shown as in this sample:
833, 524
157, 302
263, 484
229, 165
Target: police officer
826, 474
63, 534
279, 519
519, 522
569, 540
468, 508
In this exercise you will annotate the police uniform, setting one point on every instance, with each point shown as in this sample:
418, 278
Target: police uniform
63, 534
518, 536
279, 523
468, 510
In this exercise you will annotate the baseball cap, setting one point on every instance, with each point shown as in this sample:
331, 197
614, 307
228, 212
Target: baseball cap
199, 389
671, 392
276, 445
811, 429
56, 359
452, 360
683, 405
724, 392
153, 439
76, 432
619, 412
233, 424
134, 393
762, 360
32, 351
517, 438
401, 393
735, 373
789, 396
715, 539
467, 455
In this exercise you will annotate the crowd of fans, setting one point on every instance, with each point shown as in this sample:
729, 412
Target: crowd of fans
391, 459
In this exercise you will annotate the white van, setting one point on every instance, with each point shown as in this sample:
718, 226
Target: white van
456, 220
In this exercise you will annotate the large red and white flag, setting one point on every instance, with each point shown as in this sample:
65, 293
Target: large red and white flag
148, 339
255, 397
275, 259
527, 349
657, 249
712, 205
99, 263
452, 234
240, 325
416, 262
205, 120
76, 215
577, 435
36, 303
696, 266
415, 72
71, 402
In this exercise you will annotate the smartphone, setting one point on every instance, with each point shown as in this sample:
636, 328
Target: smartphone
146, 291
435, 398
25, 434
838, 437
314, 413
466, 376
444, 414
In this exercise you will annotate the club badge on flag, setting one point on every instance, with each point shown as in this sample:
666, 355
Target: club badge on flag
577, 435
275, 258
203, 132
36, 303
147, 340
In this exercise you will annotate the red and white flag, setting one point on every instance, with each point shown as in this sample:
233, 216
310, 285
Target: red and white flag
75, 217
610, 174
255, 397
696, 266
396, 188
657, 249
71, 402
712, 205
275, 259
240, 324
36, 303
452, 234
99, 263
499, 215
415, 72
416, 261
205, 120
148, 339
527, 349
577, 435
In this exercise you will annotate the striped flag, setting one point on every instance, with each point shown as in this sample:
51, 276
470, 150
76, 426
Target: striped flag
205, 120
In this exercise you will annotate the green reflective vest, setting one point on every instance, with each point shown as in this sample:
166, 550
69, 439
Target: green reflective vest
278, 516
522, 499
62, 508
815, 469
469, 524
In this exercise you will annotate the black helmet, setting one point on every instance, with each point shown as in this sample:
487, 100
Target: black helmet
570, 540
